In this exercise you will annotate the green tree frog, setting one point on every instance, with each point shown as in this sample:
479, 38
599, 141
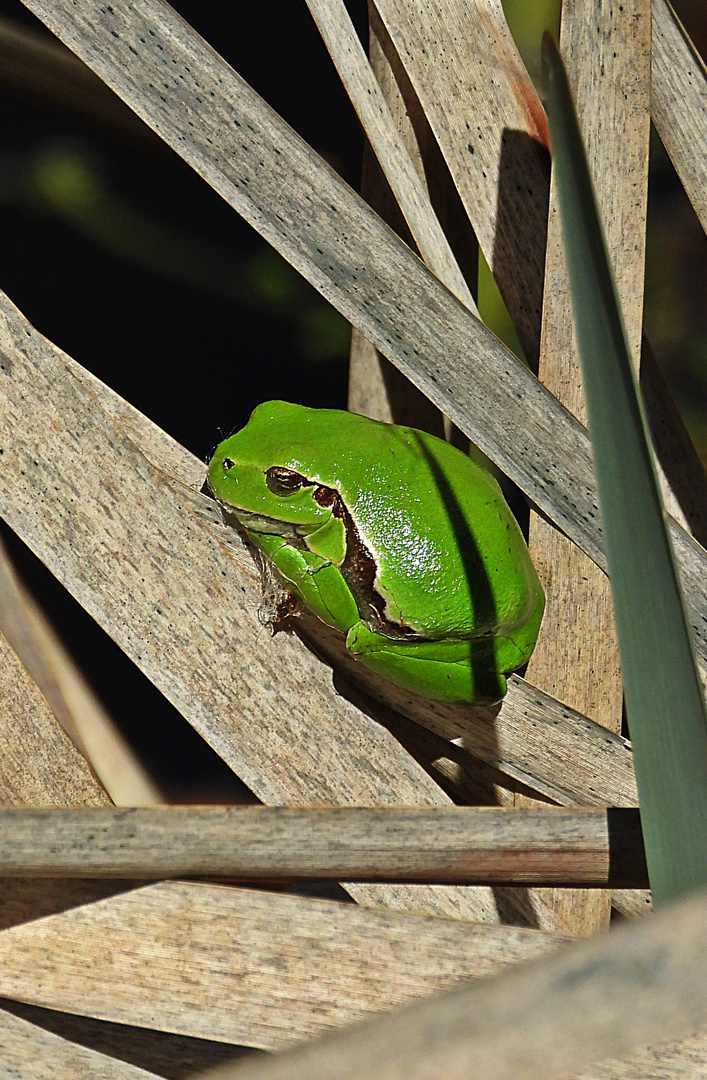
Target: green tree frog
392, 536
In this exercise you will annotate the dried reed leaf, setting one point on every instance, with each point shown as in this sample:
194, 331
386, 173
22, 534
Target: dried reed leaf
484, 845
241, 966
680, 1059
483, 109
617, 992
346, 51
72, 701
168, 1055
679, 103
30, 1052
39, 765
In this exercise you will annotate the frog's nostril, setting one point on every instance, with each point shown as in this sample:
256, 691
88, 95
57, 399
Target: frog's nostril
228, 463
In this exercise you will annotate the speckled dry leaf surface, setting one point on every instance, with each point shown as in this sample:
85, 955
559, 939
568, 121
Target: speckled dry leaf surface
39, 765
679, 103
468, 77
490, 845
542, 1020
258, 969
678, 1059
367, 98
68, 695
28, 1052
170, 1056
254, 951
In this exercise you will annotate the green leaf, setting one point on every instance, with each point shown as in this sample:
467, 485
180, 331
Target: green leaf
664, 700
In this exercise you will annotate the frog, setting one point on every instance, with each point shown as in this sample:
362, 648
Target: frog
392, 536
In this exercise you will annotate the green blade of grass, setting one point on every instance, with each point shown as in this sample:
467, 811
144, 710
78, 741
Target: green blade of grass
664, 701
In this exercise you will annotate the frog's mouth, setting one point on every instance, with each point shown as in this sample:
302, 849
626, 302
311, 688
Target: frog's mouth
259, 523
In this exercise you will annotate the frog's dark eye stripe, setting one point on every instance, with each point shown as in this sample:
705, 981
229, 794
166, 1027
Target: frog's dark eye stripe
284, 481
228, 463
326, 496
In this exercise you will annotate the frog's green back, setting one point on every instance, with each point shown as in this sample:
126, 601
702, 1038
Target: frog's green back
451, 558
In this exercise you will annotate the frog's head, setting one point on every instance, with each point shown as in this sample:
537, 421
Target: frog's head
260, 474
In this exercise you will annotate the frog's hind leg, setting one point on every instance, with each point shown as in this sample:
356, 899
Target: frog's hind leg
450, 670
515, 645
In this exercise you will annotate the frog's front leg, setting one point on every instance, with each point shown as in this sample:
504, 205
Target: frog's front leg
313, 579
449, 670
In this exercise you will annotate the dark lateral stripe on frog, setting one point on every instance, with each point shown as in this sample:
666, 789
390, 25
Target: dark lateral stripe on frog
359, 567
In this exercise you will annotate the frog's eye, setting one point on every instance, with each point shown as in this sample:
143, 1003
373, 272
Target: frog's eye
228, 463
284, 481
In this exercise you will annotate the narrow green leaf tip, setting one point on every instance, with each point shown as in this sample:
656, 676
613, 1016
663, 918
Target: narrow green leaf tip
664, 699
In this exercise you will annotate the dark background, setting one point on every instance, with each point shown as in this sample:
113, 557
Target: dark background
194, 355
122, 256
253, 321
